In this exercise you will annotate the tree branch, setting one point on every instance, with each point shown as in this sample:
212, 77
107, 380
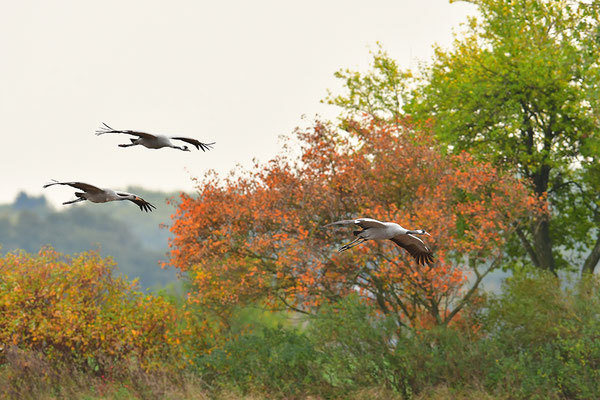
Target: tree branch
592, 259
473, 289
530, 250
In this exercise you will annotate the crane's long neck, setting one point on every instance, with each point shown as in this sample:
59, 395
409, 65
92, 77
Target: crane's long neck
123, 196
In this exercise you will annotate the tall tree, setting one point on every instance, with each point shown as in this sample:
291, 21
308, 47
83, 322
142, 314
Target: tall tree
258, 235
519, 88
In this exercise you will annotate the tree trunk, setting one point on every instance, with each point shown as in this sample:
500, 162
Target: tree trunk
543, 245
541, 228
592, 260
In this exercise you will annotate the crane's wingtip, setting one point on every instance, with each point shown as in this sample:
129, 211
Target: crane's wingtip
104, 129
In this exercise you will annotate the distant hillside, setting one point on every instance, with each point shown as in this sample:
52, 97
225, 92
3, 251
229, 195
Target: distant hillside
120, 230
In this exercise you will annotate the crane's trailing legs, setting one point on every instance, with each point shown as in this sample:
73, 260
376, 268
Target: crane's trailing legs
73, 201
133, 143
80, 197
352, 244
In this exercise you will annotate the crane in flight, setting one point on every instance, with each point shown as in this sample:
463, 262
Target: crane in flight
372, 229
155, 141
97, 195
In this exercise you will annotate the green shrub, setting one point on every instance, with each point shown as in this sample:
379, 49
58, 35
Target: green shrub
547, 337
277, 360
357, 348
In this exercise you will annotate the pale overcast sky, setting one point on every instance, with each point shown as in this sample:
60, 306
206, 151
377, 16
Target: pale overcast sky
240, 73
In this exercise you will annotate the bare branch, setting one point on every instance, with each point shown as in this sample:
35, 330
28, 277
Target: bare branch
467, 297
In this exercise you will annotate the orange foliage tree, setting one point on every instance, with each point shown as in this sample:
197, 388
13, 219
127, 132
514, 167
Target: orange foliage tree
71, 308
257, 235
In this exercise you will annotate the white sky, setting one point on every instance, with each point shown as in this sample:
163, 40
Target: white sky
240, 73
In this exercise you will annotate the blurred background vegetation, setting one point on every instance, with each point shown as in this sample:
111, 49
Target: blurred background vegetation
134, 239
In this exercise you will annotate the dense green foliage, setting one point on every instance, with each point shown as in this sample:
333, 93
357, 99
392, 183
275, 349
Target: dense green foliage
535, 340
519, 88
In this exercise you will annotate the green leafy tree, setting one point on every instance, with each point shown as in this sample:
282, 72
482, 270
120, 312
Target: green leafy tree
380, 92
519, 87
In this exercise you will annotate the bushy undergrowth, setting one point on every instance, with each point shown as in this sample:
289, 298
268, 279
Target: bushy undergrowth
32, 375
535, 340
279, 361
70, 330
72, 309
546, 338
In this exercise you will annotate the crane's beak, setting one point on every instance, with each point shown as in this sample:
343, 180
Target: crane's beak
427, 233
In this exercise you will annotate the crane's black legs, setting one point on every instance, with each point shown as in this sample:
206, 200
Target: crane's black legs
352, 244
73, 201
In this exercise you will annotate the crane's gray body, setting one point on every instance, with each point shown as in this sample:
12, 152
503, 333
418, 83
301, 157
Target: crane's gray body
388, 231
104, 196
155, 142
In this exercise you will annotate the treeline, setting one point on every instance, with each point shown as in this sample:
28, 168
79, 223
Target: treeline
135, 240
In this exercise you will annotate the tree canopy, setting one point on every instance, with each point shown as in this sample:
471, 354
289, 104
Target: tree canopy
518, 88
258, 236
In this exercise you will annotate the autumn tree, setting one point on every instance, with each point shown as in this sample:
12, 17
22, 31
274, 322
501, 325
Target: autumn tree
257, 236
519, 88
71, 308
